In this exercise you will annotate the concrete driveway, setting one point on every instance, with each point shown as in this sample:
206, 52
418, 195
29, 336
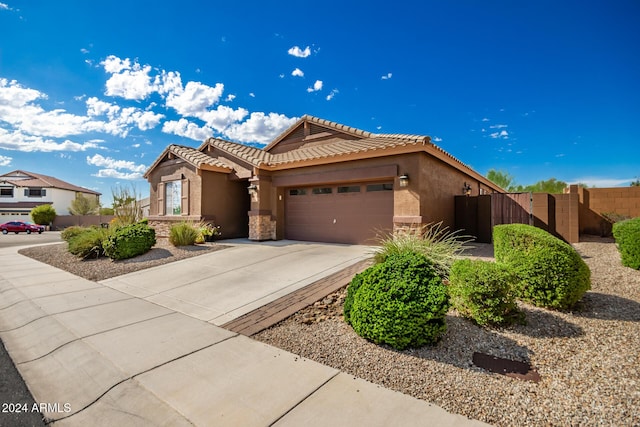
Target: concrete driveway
223, 285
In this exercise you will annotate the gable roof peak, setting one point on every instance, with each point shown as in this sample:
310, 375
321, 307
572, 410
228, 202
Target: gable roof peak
320, 122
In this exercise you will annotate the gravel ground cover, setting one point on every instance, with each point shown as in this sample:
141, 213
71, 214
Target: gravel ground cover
102, 268
589, 358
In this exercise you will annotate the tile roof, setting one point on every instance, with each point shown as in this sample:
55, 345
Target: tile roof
40, 180
338, 147
251, 155
331, 147
195, 157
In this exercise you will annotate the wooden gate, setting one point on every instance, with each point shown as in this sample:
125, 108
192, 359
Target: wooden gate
511, 208
477, 215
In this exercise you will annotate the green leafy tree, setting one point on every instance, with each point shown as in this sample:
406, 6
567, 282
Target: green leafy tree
552, 186
635, 183
106, 211
43, 214
502, 179
82, 205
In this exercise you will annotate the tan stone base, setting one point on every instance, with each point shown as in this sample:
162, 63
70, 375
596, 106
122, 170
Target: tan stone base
162, 224
262, 227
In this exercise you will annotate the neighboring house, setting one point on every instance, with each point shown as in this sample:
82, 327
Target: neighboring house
144, 207
318, 181
21, 191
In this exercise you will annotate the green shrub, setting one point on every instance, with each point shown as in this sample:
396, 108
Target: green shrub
352, 289
70, 232
482, 291
549, 272
183, 234
627, 235
401, 302
88, 243
43, 214
433, 241
129, 241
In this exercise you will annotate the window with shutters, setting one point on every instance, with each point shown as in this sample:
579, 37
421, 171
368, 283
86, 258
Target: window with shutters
173, 197
35, 192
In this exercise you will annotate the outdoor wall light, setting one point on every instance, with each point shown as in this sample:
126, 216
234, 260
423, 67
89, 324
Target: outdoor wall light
466, 189
253, 189
404, 180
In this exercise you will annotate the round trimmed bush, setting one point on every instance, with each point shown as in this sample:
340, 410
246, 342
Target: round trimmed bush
627, 235
549, 272
481, 291
401, 302
352, 289
129, 241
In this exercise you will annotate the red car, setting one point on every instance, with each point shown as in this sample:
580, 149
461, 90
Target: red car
18, 226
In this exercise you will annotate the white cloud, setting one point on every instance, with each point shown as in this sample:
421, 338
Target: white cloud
4, 6
85, 51
498, 126
485, 119
260, 127
112, 64
195, 98
112, 173
12, 94
297, 52
281, 75
332, 94
437, 139
222, 117
5, 160
387, 76
96, 107
297, 73
316, 86
251, 94
503, 134
18, 141
121, 119
110, 163
187, 129
128, 81
230, 97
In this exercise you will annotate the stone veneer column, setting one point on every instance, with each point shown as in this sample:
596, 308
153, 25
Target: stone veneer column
261, 226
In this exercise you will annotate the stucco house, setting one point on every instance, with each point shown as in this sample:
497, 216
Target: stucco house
317, 181
21, 191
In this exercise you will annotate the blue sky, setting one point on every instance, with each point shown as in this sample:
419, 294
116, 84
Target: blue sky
92, 92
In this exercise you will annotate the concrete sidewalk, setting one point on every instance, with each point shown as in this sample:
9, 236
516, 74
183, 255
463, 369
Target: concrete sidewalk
97, 356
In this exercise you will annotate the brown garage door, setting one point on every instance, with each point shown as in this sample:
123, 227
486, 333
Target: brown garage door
349, 213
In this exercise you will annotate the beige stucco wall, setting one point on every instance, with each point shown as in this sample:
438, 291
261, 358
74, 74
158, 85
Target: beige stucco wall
175, 168
226, 203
